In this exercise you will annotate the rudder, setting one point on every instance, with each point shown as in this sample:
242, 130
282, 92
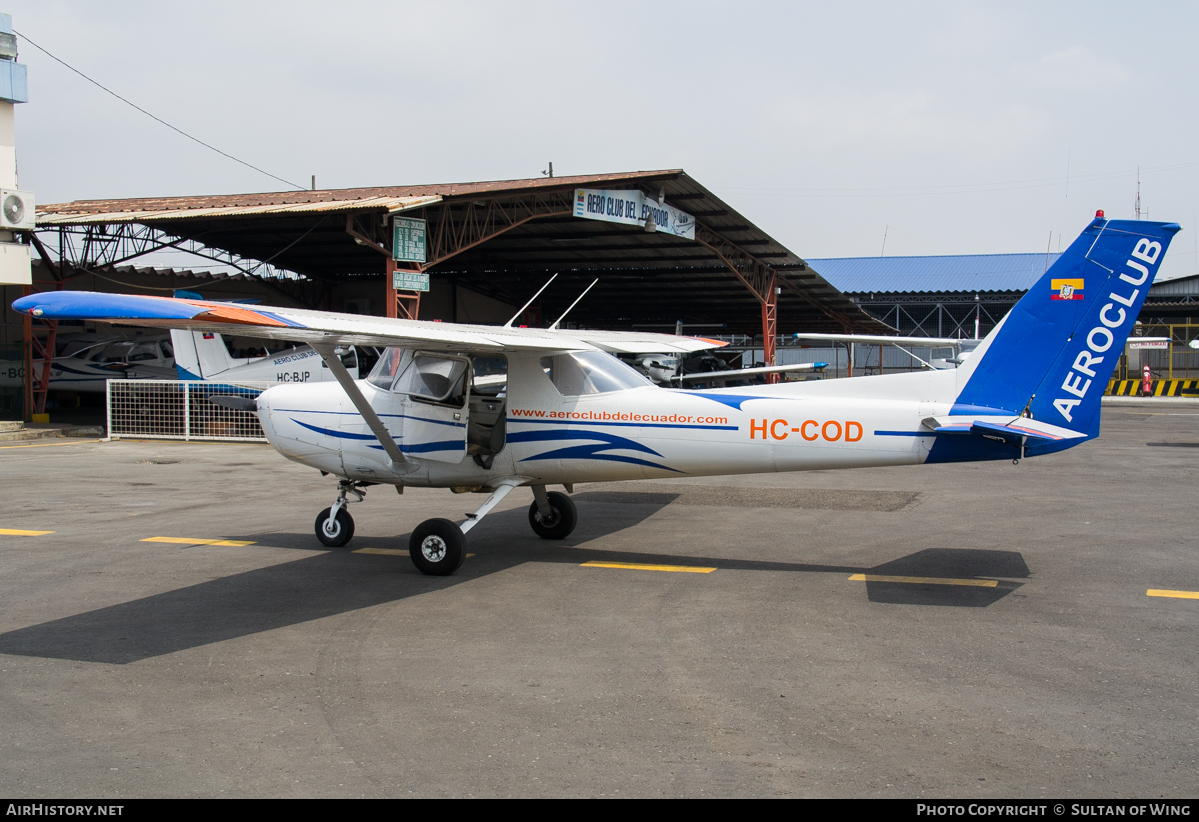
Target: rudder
1056, 350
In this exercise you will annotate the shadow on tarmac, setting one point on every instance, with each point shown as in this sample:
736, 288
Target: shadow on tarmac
332, 582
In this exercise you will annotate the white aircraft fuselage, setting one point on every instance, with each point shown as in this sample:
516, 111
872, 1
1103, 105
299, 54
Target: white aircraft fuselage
637, 433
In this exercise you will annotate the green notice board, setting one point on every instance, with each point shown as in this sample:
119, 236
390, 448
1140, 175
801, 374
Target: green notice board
410, 280
408, 239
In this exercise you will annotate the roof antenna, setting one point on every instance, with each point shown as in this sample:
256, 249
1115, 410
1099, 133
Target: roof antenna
1137, 207
530, 302
554, 327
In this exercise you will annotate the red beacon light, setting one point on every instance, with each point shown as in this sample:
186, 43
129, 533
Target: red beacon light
1099, 214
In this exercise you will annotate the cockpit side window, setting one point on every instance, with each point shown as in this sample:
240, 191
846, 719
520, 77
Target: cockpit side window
143, 353
430, 378
489, 376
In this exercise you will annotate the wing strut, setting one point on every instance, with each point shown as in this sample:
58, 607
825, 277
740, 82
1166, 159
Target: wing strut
329, 355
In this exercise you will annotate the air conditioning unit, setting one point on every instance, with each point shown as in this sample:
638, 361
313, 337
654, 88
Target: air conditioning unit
16, 209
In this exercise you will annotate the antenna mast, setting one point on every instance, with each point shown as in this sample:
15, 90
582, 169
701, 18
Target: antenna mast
554, 327
1138, 204
530, 302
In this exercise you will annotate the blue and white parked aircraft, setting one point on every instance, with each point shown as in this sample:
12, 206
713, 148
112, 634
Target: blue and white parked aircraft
202, 355
495, 408
187, 355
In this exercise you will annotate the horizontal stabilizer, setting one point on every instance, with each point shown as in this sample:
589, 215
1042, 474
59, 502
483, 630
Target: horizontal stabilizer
1020, 431
741, 373
879, 339
234, 403
1012, 435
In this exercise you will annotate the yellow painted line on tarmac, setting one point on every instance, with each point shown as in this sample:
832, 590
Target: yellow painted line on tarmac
1157, 592
17, 532
48, 444
190, 541
980, 583
388, 552
634, 566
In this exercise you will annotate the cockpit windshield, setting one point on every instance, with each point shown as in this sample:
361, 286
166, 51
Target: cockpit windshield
385, 370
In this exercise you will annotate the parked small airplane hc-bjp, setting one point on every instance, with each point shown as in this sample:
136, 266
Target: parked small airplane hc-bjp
495, 408
187, 355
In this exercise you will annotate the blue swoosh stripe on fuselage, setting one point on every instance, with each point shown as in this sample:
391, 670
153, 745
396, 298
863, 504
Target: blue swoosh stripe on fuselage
603, 441
591, 452
418, 448
329, 432
104, 373
539, 421
359, 416
731, 400
609, 441
905, 433
425, 447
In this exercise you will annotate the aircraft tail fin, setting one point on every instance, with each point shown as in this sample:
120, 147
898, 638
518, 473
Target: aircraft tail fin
200, 355
1051, 357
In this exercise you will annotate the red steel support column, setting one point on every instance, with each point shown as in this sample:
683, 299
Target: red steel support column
28, 358
391, 290
770, 324
404, 305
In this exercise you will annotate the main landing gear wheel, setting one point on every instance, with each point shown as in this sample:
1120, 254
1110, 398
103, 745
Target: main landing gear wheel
562, 519
336, 533
437, 547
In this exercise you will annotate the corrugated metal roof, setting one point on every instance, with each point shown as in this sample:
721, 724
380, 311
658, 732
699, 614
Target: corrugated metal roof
645, 277
81, 213
281, 202
156, 272
1180, 287
974, 273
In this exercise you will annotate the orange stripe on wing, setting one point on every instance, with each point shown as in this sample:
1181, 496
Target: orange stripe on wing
241, 316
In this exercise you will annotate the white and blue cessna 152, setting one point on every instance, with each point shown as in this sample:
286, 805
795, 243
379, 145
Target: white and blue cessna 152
493, 408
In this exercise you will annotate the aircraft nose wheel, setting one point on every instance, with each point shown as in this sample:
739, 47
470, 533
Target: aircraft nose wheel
437, 547
562, 518
337, 532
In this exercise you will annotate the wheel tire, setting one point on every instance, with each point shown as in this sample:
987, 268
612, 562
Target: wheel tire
563, 520
437, 547
342, 532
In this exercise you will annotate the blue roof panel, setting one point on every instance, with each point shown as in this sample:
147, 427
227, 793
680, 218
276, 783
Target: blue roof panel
956, 273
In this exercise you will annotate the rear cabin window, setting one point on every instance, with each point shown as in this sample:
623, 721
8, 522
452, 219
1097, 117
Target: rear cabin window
590, 372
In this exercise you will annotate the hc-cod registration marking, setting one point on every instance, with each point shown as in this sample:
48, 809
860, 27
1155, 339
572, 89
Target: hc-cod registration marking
810, 430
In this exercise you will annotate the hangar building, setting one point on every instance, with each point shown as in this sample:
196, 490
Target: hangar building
665, 251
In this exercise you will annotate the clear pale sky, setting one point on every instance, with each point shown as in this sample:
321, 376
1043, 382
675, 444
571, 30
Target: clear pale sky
950, 127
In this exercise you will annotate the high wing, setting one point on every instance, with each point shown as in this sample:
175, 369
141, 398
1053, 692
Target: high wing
879, 339
328, 328
636, 342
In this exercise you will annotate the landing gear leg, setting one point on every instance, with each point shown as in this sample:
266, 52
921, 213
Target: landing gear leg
334, 526
552, 515
438, 546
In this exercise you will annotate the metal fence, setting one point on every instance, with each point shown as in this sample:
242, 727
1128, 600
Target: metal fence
1178, 362
178, 410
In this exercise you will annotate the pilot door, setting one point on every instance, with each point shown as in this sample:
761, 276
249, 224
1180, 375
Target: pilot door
436, 389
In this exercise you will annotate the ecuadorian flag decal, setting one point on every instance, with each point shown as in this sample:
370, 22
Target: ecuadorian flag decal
1065, 289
